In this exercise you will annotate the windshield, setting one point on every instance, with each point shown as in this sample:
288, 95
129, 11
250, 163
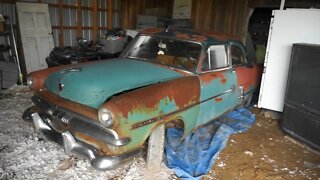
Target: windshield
173, 53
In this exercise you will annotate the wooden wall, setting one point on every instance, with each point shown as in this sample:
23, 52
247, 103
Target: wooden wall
130, 9
228, 16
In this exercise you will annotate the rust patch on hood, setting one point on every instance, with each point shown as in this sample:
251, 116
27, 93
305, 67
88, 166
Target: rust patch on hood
218, 99
182, 91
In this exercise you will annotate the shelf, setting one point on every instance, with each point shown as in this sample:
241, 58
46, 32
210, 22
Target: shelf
5, 33
4, 48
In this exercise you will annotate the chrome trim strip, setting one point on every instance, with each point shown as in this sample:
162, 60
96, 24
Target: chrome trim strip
152, 120
214, 70
101, 163
71, 145
39, 125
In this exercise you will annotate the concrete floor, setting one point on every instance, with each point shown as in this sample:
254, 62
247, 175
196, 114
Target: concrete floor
265, 152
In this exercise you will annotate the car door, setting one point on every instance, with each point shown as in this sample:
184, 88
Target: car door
246, 73
218, 84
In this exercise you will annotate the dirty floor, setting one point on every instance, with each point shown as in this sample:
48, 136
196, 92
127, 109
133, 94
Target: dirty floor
264, 152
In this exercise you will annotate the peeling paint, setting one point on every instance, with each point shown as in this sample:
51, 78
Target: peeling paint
218, 99
142, 95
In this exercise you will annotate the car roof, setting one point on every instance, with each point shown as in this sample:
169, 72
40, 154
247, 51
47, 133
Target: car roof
187, 34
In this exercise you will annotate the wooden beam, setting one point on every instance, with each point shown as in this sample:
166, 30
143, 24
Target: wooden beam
61, 33
79, 19
75, 7
95, 19
76, 27
109, 16
8, 1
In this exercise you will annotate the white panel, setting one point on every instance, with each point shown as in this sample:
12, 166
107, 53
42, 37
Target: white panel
27, 20
31, 53
43, 49
288, 27
36, 34
42, 21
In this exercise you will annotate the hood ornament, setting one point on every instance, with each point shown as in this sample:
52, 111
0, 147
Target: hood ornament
72, 69
60, 86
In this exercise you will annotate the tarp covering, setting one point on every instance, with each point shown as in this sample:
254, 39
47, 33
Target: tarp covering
195, 155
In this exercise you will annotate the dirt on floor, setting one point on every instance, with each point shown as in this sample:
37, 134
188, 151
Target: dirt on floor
265, 152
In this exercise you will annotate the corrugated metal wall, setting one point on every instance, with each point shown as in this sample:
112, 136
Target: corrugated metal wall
6, 9
69, 18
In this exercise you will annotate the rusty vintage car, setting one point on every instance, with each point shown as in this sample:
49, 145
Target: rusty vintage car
106, 110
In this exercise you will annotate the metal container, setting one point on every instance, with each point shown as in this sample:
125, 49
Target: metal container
113, 46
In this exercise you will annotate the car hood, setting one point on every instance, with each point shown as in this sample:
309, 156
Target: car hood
93, 83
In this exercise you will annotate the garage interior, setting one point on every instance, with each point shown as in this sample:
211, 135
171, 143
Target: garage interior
282, 143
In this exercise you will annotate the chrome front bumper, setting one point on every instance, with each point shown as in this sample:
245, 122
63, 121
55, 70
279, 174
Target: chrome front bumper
71, 145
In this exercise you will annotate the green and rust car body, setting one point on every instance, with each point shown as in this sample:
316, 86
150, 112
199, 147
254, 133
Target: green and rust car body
139, 95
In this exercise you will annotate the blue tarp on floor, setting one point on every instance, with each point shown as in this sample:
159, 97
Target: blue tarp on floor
196, 154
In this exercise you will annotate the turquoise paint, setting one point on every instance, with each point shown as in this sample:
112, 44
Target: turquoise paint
210, 109
142, 113
189, 117
165, 106
96, 82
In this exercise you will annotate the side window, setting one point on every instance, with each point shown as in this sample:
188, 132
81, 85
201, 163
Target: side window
216, 58
237, 56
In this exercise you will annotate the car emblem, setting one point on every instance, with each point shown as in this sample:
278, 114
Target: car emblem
72, 69
60, 86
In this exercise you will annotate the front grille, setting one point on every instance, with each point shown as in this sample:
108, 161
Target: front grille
64, 117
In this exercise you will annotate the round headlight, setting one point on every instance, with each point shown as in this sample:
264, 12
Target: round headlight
30, 81
105, 117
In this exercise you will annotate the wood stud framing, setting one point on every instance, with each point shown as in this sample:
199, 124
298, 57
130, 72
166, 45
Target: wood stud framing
61, 33
79, 19
78, 6
109, 15
95, 19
